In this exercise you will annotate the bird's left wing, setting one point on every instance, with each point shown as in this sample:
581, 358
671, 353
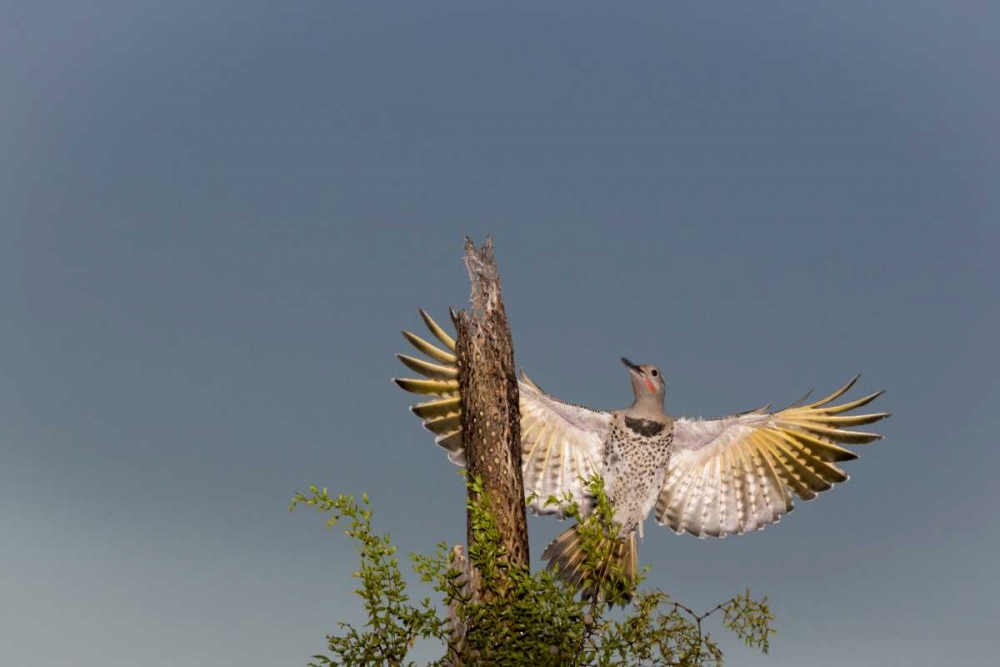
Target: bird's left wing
560, 442
737, 473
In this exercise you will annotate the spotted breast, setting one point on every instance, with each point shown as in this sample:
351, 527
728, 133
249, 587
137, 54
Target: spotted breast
636, 454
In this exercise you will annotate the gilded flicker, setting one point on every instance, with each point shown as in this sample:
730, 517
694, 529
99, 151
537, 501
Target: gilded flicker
706, 477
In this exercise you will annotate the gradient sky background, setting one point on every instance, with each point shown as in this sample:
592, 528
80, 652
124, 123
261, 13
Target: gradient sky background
215, 217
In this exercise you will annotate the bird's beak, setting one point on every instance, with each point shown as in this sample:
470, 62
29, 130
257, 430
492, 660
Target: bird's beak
629, 365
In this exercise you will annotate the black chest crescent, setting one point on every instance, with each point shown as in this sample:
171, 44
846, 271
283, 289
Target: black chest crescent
644, 427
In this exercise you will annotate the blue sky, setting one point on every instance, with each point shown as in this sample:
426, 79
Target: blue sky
215, 217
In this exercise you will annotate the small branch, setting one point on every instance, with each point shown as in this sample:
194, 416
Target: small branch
458, 627
701, 617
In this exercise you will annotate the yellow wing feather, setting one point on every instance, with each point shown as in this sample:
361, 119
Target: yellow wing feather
738, 473
560, 442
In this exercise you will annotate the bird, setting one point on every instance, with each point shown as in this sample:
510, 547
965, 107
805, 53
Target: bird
705, 477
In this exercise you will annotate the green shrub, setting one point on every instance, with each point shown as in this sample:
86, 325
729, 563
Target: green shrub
519, 617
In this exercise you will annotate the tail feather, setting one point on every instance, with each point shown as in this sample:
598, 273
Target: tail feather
566, 557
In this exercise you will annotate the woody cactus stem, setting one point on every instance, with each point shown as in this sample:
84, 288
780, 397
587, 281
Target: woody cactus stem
491, 424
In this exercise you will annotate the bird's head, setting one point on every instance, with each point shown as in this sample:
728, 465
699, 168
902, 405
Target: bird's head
647, 383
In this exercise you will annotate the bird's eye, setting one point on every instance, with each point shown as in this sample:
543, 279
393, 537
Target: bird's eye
654, 372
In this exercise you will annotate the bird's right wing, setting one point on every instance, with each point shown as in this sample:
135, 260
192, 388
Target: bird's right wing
441, 415
561, 443
561, 446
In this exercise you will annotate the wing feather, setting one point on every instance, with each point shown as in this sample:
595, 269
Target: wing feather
438, 332
568, 447
427, 369
739, 473
746, 474
431, 350
560, 442
852, 405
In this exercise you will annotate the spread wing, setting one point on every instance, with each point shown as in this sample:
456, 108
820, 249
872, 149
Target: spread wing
738, 473
560, 442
